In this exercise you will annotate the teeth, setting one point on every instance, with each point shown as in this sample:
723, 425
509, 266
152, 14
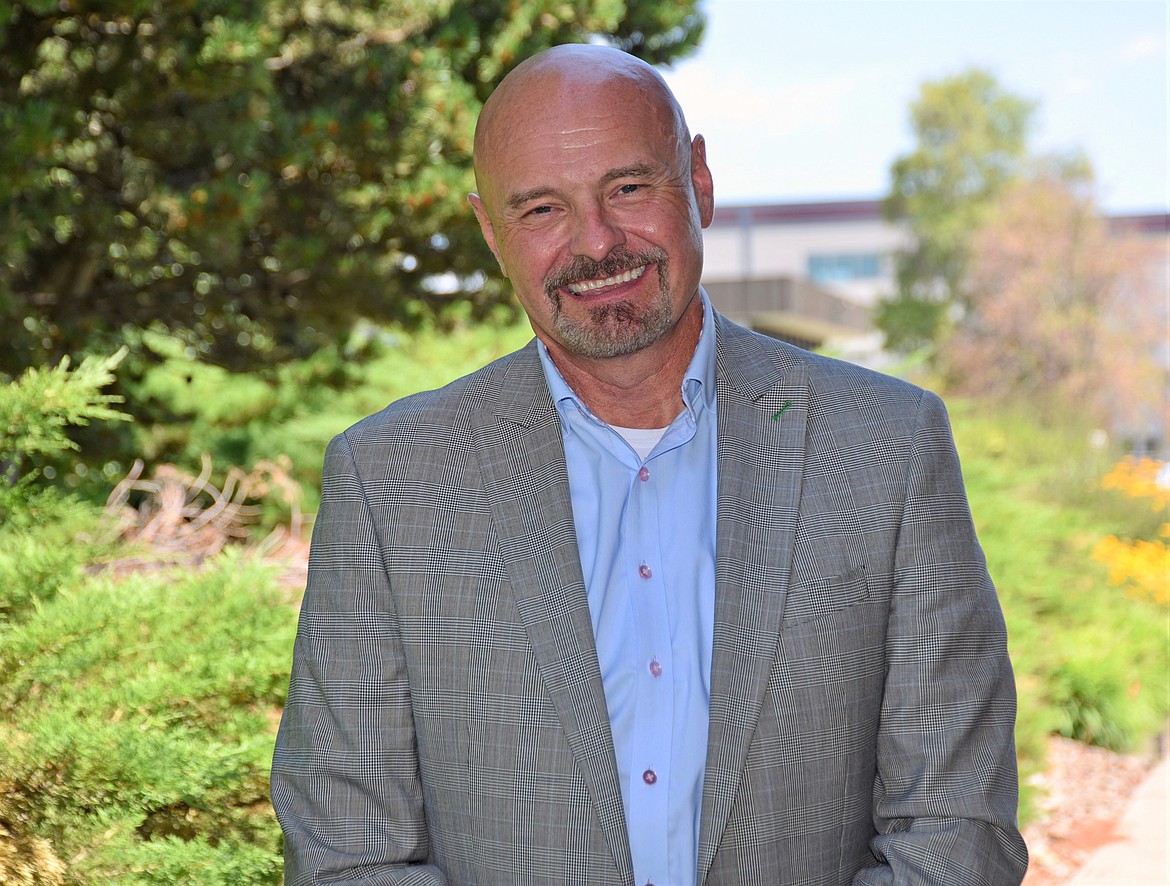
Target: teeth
593, 285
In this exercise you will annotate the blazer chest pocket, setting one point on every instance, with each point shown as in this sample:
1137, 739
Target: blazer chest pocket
817, 599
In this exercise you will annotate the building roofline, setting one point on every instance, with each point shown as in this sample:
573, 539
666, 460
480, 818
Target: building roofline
1148, 223
871, 210
792, 213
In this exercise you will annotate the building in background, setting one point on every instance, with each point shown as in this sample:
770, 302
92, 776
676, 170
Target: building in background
807, 273
1147, 432
810, 273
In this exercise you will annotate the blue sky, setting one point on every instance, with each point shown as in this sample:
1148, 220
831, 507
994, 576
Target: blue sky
809, 99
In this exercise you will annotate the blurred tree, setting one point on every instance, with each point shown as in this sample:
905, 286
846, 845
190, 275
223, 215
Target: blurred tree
1063, 313
257, 174
971, 143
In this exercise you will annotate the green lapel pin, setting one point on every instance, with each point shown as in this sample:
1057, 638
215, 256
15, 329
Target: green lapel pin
779, 412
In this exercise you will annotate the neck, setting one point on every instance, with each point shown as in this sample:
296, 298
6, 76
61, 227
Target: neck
639, 390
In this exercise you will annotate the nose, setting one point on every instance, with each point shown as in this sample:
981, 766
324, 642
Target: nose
596, 233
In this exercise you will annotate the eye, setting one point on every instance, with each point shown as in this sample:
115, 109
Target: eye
540, 210
628, 189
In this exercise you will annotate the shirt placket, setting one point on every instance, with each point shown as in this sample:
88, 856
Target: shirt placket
649, 787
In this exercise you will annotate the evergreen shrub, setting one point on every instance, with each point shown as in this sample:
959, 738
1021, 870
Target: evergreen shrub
40, 525
137, 718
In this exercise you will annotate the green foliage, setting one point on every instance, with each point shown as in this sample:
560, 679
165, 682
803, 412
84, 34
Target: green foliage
197, 407
254, 175
970, 144
40, 526
137, 720
44, 546
294, 409
1092, 663
136, 715
910, 322
36, 409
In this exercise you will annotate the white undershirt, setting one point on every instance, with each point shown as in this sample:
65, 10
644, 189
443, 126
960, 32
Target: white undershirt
641, 440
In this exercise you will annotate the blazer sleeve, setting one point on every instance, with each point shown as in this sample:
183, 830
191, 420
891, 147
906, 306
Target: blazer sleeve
946, 792
345, 774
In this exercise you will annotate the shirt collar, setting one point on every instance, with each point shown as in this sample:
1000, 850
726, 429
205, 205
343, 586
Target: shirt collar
698, 385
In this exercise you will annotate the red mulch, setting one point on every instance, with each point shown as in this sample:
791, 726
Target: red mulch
1086, 789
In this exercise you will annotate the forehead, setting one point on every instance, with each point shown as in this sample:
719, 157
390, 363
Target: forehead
574, 130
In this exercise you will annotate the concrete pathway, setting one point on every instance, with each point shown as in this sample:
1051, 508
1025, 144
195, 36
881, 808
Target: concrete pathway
1140, 856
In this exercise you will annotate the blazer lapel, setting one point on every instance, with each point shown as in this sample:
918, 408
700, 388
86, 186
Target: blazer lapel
522, 456
762, 410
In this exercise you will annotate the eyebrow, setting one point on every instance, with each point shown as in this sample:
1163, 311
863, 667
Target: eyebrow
515, 201
635, 170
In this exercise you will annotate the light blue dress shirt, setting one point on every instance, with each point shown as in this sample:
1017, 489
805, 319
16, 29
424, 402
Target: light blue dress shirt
646, 533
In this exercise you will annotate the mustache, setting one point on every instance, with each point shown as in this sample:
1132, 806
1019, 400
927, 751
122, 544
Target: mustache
619, 260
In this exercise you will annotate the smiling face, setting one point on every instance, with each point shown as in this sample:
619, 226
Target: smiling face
592, 198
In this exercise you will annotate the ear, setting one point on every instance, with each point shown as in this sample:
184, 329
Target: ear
485, 226
701, 181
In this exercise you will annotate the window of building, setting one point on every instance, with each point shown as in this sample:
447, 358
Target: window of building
845, 266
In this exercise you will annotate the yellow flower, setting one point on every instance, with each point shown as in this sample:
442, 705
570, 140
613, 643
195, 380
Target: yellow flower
1138, 478
1141, 566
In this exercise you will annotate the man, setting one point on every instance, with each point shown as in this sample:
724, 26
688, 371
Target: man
654, 599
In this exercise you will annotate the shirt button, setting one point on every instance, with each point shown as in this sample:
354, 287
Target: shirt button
649, 776
644, 474
655, 668
644, 571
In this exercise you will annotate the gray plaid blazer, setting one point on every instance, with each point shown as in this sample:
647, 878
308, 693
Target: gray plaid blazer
446, 721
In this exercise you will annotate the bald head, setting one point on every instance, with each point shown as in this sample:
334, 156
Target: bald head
592, 196
563, 76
